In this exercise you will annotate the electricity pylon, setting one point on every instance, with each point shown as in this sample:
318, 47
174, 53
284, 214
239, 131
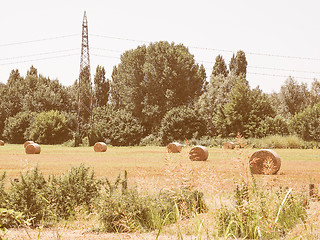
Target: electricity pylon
84, 93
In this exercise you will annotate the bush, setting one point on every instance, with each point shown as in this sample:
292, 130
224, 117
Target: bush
254, 217
16, 126
78, 187
10, 218
306, 124
209, 141
124, 130
29, 196
3, 194
131, 212
282, 142
181, 123
49, 128
150, 140
273, 126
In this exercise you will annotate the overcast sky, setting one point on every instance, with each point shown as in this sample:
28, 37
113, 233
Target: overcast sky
280, 38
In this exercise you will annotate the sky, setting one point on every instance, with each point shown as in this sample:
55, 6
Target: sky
280, 38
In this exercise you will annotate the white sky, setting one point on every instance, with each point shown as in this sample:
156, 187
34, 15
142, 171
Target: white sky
274, 27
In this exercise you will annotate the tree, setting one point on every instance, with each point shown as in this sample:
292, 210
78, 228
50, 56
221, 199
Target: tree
32, 71
127, 79
180, 123
215, 97
238, 64
85, 96
294, 96
244, 110
34, 93
277, 125
16, 126
101, 88
13, 93
306, 124
151, 80
49, 128
219, 67
124, 129
315, 92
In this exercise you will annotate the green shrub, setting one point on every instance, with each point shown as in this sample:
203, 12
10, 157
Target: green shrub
129, 211
29, 195
181, 123
150, 140
78, 187
49, 128
261, 215
273, 126
3, 194
209, 141
306, 124
10, 218
291, 141
16, 126
124, 129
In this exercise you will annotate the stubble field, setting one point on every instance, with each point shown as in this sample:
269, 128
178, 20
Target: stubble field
151, 168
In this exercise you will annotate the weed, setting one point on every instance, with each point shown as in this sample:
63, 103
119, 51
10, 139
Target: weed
259, 213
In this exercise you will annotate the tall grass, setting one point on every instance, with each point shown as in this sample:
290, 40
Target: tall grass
289, 142
258, 212
249, 210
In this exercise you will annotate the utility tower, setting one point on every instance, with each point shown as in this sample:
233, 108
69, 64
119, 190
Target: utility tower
85, 58
84, 93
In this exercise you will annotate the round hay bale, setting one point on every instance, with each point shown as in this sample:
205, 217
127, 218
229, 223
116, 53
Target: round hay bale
198, 153
1, 143
229, 145
27, 143
174, 147
33, 148
265, 161
100, 147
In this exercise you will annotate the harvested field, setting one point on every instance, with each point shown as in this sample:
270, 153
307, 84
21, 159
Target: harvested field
297, 166
146, 165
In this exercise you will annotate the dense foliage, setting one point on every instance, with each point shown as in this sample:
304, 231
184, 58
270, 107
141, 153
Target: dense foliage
16, 126
49, 128
120, 208
181, 123
156, 93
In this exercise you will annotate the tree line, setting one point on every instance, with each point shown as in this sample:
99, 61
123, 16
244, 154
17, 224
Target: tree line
156, 93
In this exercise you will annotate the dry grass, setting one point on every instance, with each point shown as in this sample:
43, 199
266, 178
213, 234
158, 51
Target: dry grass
152, 168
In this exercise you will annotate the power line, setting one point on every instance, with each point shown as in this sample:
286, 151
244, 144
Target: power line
282, 69
276, 75
213, 49
106, 49
256, 67
39, 54
119, 38
255, 53
272, 75
143, 41
99, 55
38, 40
270, 68
39, 59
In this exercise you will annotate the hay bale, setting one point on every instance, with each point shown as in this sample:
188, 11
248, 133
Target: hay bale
100, 147
27, 143
265, 161
33, 148
229, 145
1, 143
174, 147
198, 153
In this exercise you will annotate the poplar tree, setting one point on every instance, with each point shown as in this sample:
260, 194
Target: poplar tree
101, 87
